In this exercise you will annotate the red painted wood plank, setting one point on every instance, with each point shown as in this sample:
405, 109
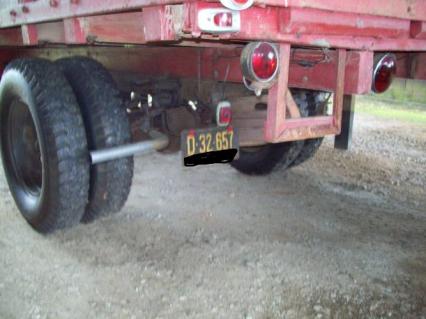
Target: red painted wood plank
52, 32
74, 32
218, 64
321, 74
305, 132
404, 9
159, 24
279, 129
118, 28
339, 89
126, 28
162, 24
311, 21
276, 111
263, 24
42, 10
330, 41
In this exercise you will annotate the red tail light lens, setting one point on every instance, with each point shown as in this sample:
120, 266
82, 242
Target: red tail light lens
259, 65
223, 19
264, 61
223, 113
384, 72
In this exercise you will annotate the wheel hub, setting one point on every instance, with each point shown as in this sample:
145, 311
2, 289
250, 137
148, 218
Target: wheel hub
24, 147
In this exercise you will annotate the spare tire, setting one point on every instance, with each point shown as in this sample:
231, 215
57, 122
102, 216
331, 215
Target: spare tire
265, 159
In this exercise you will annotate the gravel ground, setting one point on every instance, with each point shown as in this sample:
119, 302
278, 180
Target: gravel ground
343, 236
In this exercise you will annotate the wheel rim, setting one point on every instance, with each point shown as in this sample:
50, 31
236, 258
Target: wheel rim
24, 153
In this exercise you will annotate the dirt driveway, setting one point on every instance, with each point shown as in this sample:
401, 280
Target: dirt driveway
341, 236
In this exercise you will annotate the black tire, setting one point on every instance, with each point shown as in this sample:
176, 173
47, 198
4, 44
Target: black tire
316, 102
107, 125
265, 159
43, 145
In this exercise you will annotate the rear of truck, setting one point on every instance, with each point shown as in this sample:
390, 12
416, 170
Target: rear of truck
87, 85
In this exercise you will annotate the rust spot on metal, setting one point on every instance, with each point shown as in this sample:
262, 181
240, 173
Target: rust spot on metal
25, 9
13, 13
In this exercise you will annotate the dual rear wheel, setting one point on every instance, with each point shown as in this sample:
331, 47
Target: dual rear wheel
51, 115
265, 159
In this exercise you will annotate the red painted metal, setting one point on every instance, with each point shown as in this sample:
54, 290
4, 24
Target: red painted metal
280, 129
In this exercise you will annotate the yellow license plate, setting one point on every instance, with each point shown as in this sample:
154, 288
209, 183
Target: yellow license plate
207, 146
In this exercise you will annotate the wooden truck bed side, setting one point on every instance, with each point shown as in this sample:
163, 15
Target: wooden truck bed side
397, 25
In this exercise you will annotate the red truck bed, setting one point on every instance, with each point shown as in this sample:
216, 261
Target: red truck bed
177, 41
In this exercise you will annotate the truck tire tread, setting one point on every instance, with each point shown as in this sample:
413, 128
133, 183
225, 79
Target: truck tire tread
106, 125
62, 128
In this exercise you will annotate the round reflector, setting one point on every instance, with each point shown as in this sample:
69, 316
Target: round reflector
264, 61
237, 4
384, 71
